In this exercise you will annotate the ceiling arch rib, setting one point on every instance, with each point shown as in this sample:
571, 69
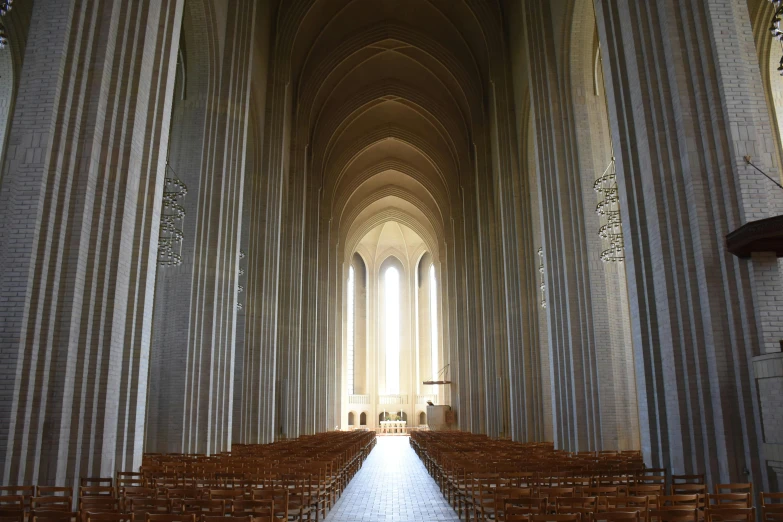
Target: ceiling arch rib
389, 210
449, 71
353, 212
326, 25
446, 123
386, 179
390, 140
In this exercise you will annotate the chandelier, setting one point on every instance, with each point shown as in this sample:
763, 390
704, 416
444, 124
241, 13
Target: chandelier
172, 221
241, 272
775, 30
5, 7
541, 271
611, 230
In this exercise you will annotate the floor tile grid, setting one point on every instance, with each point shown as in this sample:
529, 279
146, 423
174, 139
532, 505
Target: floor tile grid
392, 486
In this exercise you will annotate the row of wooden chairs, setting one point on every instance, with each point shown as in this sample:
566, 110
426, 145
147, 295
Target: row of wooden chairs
308, 478
481, 478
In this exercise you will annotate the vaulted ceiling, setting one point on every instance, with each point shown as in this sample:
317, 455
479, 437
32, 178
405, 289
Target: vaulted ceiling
388, 97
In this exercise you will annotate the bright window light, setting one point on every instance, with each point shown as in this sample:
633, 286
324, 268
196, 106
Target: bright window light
391, 281
434, 322
350, 328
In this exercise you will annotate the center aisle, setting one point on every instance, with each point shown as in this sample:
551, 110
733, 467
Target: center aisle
392, 486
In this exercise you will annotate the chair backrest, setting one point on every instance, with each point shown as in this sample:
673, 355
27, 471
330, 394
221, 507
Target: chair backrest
574, 517
26, 492
138, 492
141, 506
712, 514
51, 491
280, 496
11, 514
52, 503
11, 502
96, 491
96, 481
99, 505
743, 487
182, 517
688, 479
616, 516
253, 508
229, 519
129, 478
727, 500
684, 501
184, 493
673, 514
54, 516
109, 517
690, 489
213, 506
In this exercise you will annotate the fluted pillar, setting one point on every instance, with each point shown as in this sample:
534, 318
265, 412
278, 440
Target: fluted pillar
686, 104
209, 371
80, 211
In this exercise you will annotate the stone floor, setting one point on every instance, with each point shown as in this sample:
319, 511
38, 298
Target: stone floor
392, 486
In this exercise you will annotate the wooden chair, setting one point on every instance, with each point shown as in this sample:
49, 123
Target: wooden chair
254, 508
772, 507
235, 519
575, 517
12, 514
641, 505
26, 492
682, 501
687, 479
279, 497
12, 502
95, 505
204, 507
96, 491
508, 494
728, 500
140, 507
734, 489
527, 506
96, 481
617, 516
127, 479
585, 506
109, 517
183, 517
673, 514
51, 503
54, 516
51, 491
730, 514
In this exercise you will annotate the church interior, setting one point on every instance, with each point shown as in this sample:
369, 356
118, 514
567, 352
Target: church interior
392, 260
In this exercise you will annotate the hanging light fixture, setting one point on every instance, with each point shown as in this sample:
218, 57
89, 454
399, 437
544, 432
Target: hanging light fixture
241, 272
541, 271
171, 220
775, 29
611, 230
5, 7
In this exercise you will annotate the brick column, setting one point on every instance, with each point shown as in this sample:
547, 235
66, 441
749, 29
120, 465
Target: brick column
685, 105
80, 211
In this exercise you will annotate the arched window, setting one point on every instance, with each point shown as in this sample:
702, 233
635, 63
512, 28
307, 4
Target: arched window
422, 419
391, 281
434, 322
350, 328
363, 419
351, 418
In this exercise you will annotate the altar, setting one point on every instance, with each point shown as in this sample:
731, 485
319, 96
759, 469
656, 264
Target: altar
393, 427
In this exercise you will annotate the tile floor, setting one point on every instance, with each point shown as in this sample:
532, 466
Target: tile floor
392, 486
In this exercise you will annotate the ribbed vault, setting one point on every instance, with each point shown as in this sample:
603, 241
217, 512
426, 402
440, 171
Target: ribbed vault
388, 124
